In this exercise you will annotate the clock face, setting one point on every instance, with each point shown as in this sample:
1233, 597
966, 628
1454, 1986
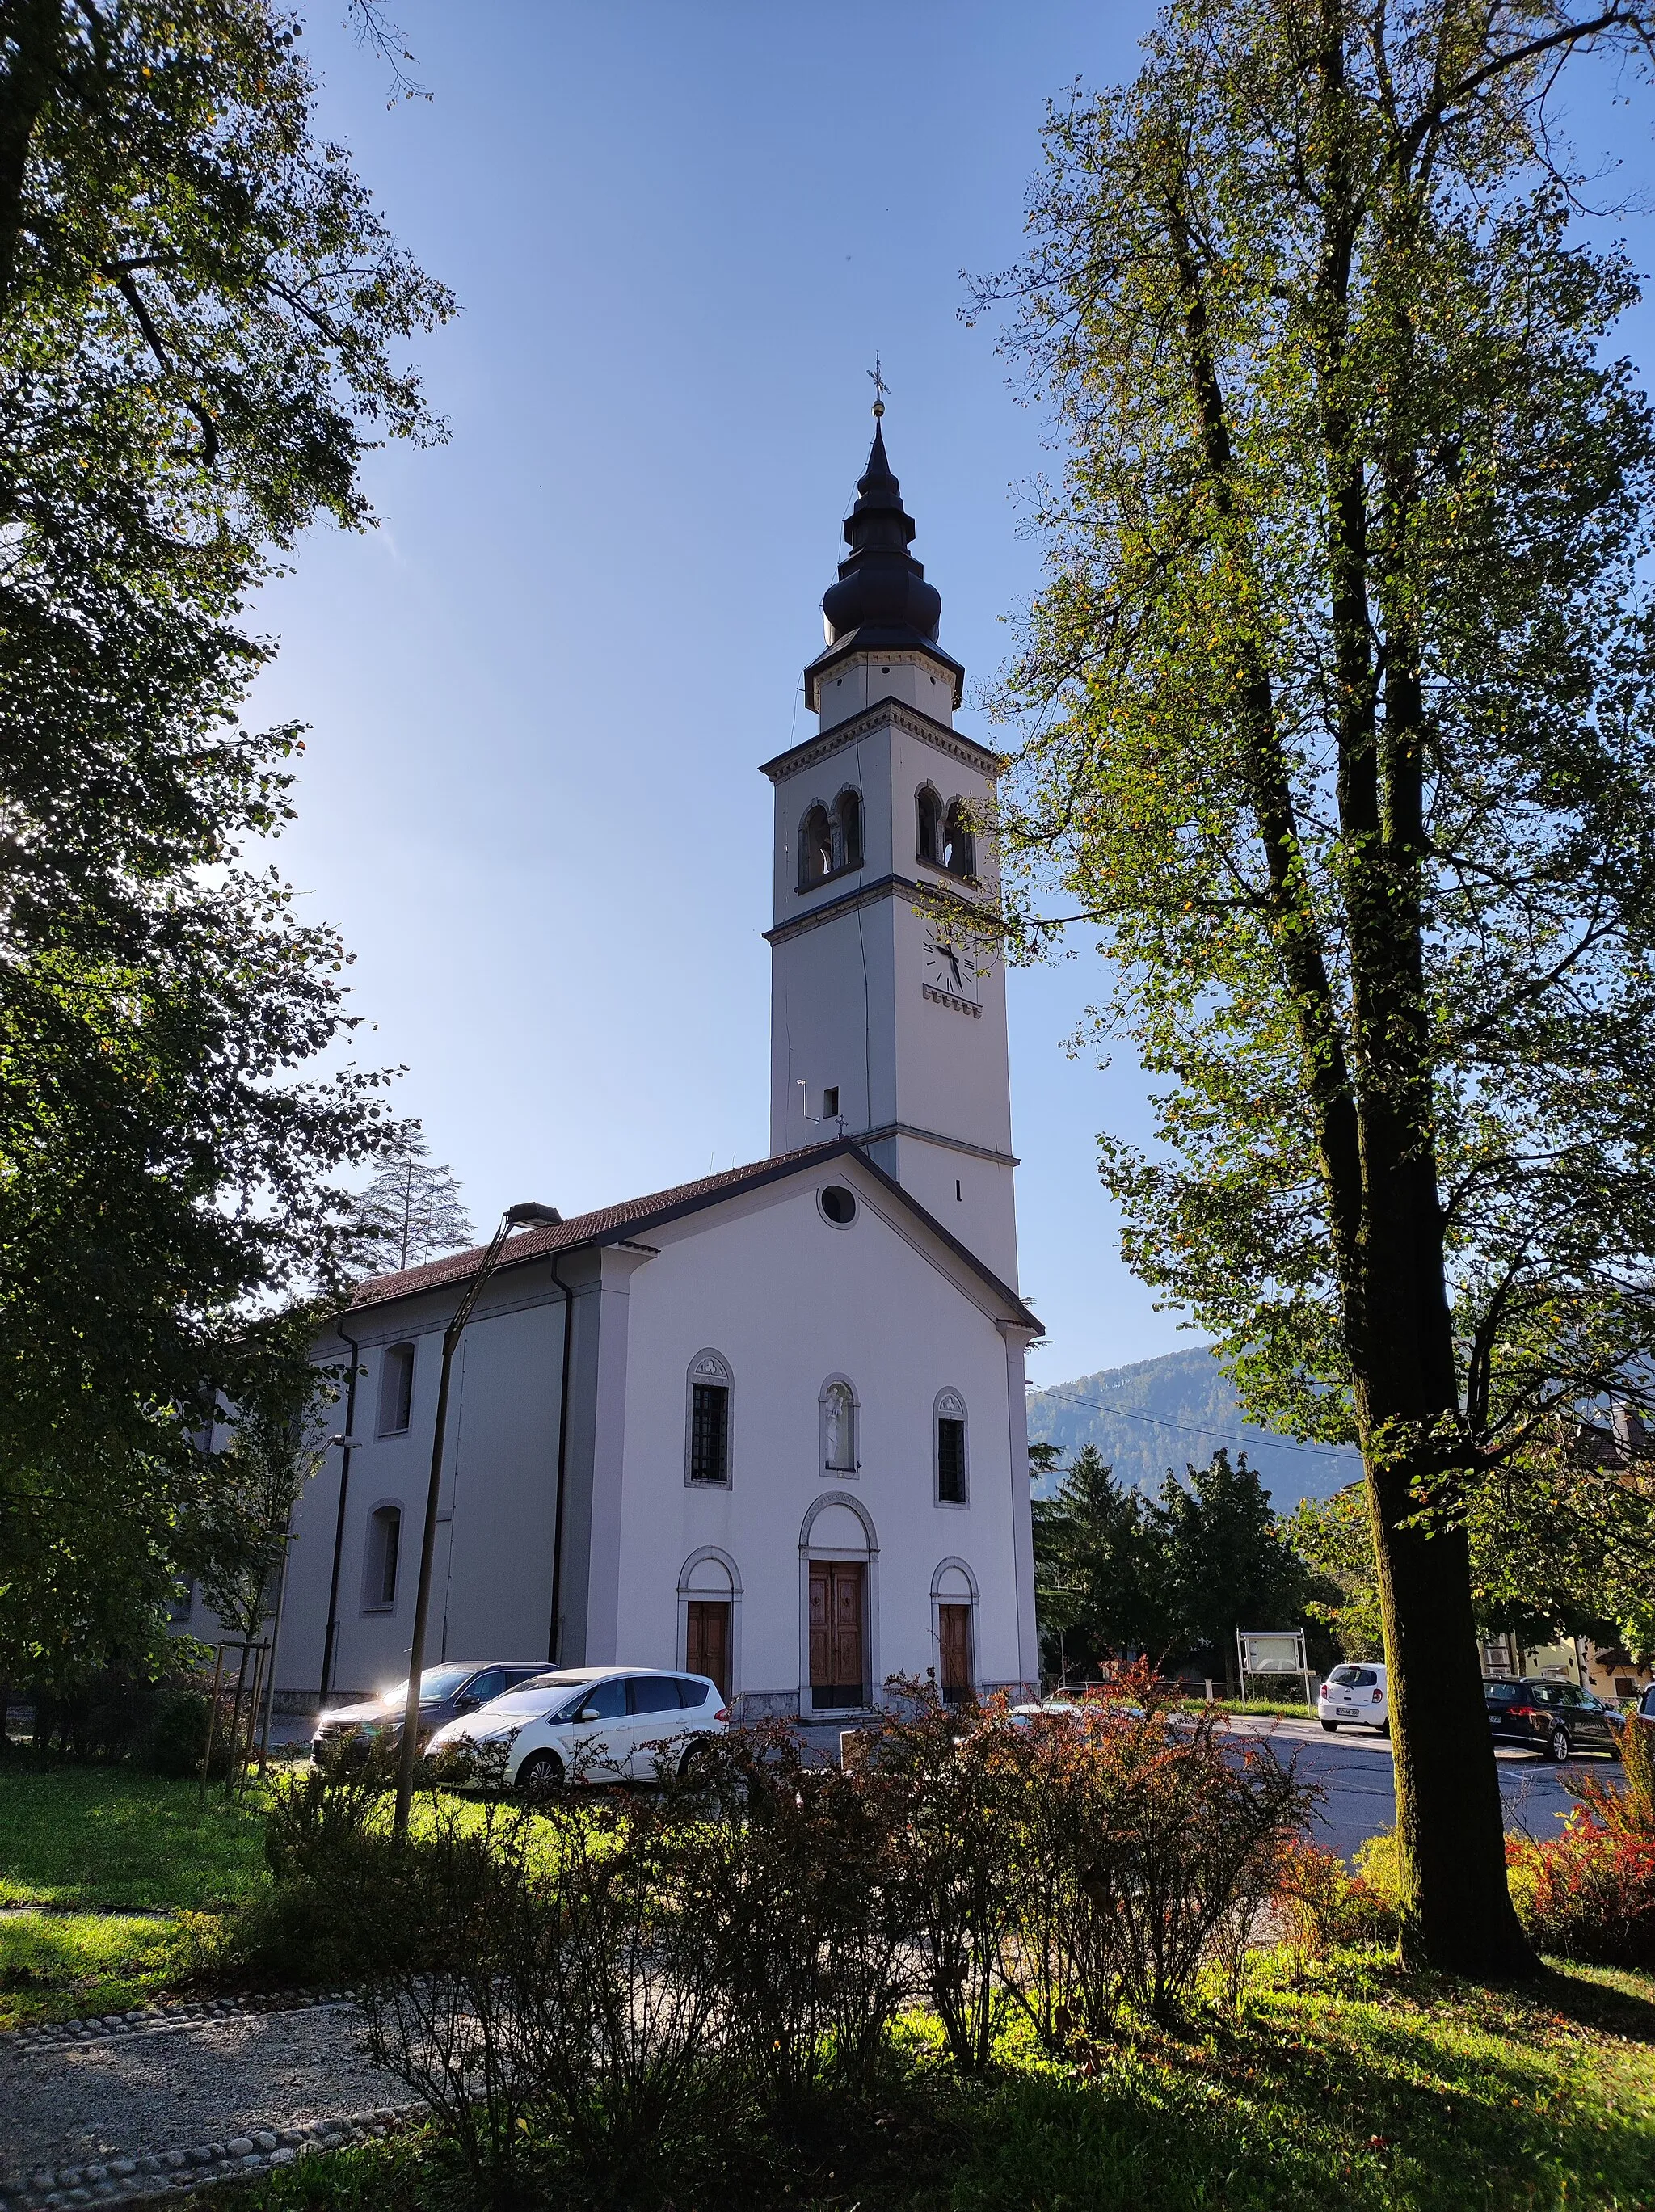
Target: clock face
950, 969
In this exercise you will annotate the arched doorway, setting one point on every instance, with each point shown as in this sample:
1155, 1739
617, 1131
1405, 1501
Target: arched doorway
709, 1612
839, 1556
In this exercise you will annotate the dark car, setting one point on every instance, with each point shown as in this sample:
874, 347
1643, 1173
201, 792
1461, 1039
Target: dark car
459, 1687
1553, 1718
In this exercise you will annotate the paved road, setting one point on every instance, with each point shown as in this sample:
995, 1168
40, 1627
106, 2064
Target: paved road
1354, 1767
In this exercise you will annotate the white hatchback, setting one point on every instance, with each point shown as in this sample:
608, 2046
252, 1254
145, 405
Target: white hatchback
1356, 1696
593, 1725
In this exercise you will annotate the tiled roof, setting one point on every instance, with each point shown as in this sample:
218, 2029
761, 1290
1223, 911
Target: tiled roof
609, 1223
596, 1228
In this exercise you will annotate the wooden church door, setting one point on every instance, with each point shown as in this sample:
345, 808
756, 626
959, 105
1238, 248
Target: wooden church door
838, 1633
707, 1642
954, 1635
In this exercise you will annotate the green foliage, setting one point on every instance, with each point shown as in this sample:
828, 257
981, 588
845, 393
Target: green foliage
1117, 1573
1563, 1550
200, 316
1341, 738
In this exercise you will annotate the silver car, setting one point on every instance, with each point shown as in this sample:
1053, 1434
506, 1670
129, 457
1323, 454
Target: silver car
446, 1693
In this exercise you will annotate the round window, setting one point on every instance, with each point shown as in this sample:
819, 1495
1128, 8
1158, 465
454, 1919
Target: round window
839, 1204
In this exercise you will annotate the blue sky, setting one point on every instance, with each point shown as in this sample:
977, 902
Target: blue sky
540, 691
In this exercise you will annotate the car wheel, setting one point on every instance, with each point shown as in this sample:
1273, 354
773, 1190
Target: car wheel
1384, 1727
696, 1765
1331, 1727
540, 1774
1557, 1744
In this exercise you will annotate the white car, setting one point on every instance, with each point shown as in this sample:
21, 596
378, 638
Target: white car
1356, 1696
598, 1724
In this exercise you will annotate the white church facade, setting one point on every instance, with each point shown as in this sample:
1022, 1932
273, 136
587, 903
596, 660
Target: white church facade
768, 1425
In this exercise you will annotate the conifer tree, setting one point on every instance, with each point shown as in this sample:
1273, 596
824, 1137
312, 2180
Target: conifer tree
411, 1211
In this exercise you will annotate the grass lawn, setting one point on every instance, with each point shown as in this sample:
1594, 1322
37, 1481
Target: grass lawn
1347, 2091
109, 1838
100, 1851
64, 1965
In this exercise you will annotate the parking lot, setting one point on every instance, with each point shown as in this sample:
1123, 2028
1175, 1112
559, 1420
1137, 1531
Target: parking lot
1354, 1767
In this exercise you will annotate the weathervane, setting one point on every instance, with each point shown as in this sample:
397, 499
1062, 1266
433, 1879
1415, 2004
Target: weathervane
876, 378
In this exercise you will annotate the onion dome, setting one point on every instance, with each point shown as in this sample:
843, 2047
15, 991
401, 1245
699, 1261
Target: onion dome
881, 602
881, 586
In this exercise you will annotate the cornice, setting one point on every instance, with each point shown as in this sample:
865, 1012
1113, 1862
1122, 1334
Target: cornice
882, 887
935, 1137
892, 710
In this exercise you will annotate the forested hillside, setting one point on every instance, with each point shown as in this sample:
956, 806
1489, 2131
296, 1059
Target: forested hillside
1168, 1412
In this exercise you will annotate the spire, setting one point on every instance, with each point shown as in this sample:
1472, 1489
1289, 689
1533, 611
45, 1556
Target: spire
881, 587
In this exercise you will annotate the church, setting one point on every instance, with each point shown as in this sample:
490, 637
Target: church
768, 1425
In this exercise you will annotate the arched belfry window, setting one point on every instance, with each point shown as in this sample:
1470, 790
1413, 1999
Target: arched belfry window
816, 846
928, 825
959, 845
839, 1424
847, 829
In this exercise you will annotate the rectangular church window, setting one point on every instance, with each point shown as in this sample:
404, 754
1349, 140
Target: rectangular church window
950, 1460
709, 1432
830, 1103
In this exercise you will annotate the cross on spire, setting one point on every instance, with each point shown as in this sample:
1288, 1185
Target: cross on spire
876, 377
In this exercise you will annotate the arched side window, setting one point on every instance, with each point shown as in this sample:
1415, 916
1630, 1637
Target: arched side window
711, 1386
847, 829
840, 1425
380, 1561
948, 1447
959, 844
928, 825
816, 846
396, 1390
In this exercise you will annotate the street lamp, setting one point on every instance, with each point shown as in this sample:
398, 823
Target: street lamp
526, 1216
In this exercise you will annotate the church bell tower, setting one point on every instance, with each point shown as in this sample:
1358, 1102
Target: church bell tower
888, 1019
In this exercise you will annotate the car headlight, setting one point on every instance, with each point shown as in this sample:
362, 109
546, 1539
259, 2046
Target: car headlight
500, 1735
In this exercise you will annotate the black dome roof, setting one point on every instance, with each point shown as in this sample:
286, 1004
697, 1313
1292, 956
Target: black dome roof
881, 587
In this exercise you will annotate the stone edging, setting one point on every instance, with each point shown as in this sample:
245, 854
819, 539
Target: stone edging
58, 2034
131, 2180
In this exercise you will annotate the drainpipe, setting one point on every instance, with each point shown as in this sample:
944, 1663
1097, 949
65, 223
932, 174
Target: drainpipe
330, 1640
555, 1634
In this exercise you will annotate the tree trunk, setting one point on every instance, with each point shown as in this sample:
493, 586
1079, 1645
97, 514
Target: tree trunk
35, 29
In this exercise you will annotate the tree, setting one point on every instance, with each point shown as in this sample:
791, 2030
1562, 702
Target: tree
1227, 1563
1099, 1575
199, 310
1116, 1574
1340, 734
1557, 1549
411, 1211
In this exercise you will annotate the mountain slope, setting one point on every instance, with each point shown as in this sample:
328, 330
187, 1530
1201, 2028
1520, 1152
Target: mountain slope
1168, 1412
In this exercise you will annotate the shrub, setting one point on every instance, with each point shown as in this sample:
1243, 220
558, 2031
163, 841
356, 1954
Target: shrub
1325, 1907
178, 1740
1590, 1892
947, 1783
1146, 1850
800, 1913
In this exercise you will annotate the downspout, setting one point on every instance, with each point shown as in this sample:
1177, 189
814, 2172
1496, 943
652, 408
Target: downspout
330, 1640
555, 1634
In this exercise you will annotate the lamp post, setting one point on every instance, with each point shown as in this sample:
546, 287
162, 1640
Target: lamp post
526, 1216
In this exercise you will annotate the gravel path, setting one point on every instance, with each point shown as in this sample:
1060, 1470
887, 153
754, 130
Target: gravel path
124, 2113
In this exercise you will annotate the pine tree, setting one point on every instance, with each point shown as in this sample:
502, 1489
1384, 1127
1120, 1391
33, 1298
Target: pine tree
411, 1211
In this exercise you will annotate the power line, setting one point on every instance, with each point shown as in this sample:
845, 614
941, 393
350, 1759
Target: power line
1187, 1429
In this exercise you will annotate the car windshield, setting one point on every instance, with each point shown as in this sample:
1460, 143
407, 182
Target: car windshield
1344, 1676
436, 1683
1500, 1693
541, 1694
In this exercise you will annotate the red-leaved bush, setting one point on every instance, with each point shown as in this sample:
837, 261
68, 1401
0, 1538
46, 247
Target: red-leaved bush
1590, 1892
